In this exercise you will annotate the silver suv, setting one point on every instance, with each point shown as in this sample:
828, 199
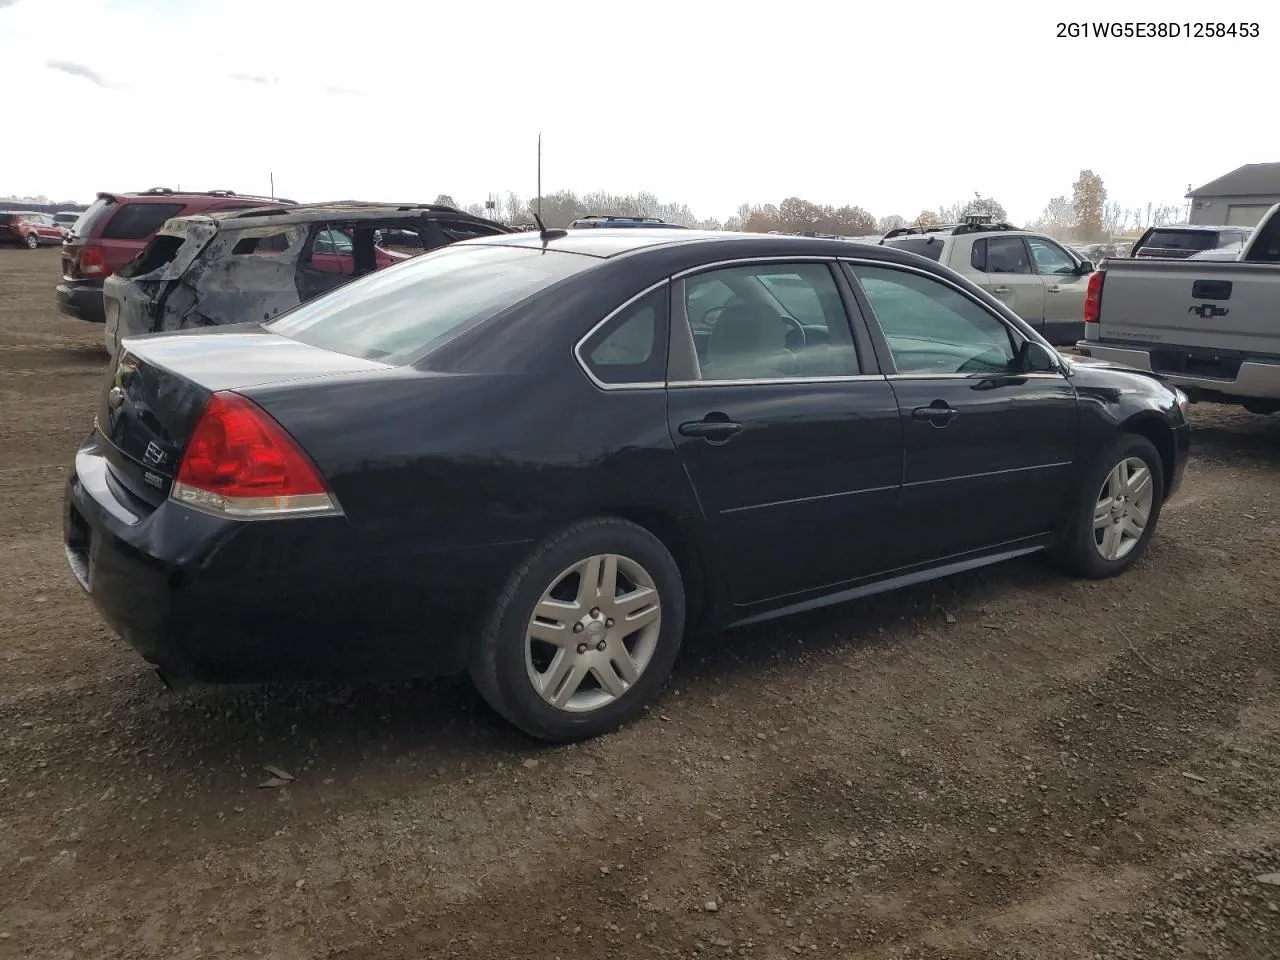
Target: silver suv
1038, 278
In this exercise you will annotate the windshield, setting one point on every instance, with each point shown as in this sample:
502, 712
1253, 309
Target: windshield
396, 314
1182, 240
930, 247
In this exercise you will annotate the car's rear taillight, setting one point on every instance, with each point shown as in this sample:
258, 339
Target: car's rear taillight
1093, 297
92, 260
241, 463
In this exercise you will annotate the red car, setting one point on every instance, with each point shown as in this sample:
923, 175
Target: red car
115, 229
29, 229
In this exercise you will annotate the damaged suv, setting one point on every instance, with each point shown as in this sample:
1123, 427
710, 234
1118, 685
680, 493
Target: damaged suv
250, 265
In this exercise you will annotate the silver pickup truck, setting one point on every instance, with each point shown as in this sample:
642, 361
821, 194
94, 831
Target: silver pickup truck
1209, 327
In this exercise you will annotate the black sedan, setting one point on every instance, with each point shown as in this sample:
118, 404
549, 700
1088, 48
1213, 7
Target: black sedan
543, 457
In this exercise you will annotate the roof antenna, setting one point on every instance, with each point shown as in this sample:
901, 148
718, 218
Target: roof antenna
548, 233
543, 232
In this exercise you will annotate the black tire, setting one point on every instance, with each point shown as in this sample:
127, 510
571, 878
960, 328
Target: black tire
1079, 551
33, 241
498, 666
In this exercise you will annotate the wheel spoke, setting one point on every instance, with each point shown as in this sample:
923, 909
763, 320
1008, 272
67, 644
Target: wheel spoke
555, 633
1130, 528
1111, 542
635, 601
589, 586
608, 578
1139, 483
612, 675
1141, 512
561, 611
1102, 513
1116, 480
563, 678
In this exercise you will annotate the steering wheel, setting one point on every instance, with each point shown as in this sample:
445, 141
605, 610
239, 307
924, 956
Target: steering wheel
792, 321
709, 320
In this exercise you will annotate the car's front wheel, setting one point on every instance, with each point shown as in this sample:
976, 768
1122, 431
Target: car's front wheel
585, 632
32, 241
1117, 510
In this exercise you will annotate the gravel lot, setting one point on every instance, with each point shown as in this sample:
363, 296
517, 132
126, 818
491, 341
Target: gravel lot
1005, 764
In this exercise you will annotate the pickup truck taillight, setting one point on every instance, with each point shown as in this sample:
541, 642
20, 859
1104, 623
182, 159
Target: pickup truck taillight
1093, 297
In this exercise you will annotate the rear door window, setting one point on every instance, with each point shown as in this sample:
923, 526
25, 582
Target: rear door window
137, 221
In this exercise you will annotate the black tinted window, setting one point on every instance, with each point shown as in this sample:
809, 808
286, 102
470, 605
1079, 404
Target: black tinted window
632, 347
395, 315
1182, 240
1007, 255
6, 218
930, 247
94, 217
137, 221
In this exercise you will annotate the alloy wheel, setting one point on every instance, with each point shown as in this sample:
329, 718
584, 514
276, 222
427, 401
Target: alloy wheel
593, 633
1123, 508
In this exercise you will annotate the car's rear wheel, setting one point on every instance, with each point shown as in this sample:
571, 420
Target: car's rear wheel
1117, 511
32, 241
585, 632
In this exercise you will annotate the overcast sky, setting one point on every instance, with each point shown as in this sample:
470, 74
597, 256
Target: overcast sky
892, 106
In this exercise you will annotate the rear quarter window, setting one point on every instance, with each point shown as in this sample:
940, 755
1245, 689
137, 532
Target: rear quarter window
137, 221
930, 247
6, 218
398, 314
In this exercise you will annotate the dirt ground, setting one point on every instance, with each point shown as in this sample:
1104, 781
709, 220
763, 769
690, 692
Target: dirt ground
1005, 764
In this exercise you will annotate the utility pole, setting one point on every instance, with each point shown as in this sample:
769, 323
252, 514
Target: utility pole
539, 176
272, 176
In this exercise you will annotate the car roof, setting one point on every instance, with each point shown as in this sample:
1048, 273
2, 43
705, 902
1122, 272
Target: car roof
1197, 227
608, 243
303, 213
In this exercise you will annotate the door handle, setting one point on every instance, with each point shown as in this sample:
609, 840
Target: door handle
713, 430
939, 413
1054, 289
999, 289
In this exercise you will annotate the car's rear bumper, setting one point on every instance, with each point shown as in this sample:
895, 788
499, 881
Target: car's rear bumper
207, 599
81, 299
1254, 378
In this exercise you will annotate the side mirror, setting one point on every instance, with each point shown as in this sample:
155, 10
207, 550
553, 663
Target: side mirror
1084, 268
1035, 357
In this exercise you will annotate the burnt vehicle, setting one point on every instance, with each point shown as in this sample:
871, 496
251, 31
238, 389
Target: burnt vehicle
241, 265
540, 457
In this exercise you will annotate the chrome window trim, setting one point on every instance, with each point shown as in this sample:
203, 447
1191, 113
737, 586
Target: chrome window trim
743, 261
582, 363
770, 381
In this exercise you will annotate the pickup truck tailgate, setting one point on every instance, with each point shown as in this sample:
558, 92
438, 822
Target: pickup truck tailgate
1192, 304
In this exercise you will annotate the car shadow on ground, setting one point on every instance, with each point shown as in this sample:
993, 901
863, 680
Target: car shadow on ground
389, 730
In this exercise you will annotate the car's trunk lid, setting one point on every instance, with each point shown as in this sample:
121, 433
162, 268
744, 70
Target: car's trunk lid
159, 385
